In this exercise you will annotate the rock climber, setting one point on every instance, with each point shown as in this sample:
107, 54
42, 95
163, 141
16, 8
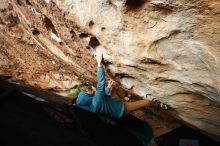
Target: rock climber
101, 102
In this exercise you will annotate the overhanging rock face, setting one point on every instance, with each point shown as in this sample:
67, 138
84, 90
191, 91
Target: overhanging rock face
164, 48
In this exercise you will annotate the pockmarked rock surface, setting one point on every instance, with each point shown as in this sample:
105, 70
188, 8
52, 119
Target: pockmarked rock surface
163, 48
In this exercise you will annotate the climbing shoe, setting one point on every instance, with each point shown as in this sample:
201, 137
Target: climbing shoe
157, 103
128, 98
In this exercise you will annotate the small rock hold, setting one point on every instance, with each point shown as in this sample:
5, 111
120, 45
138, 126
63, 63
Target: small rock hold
47, 1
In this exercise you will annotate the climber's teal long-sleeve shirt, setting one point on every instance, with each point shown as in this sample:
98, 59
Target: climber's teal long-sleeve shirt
101, 102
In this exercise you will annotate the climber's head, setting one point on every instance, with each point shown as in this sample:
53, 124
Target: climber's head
85, 95
85, 88
82, 94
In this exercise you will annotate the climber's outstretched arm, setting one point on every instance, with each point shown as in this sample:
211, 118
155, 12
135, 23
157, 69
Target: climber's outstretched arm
101, 89
100, 75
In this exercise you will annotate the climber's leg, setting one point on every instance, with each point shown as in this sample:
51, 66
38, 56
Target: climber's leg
132, 106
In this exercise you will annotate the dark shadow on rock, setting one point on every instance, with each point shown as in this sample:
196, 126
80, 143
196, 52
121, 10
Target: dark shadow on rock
24, 121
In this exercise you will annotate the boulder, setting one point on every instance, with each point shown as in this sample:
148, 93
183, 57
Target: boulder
168, 49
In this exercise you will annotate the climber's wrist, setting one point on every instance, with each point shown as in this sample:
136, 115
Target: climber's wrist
99, 65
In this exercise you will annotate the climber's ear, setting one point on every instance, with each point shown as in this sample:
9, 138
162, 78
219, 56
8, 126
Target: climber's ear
90, 91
